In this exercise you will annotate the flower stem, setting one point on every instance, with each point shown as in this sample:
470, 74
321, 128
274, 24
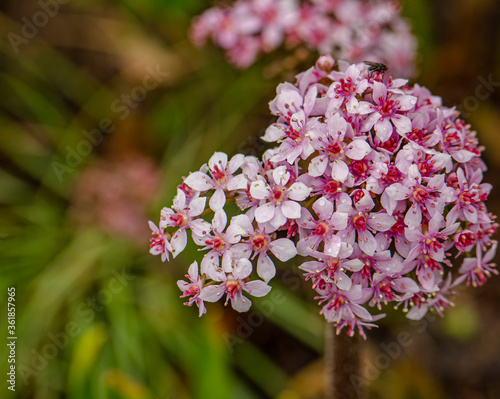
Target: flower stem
342, 361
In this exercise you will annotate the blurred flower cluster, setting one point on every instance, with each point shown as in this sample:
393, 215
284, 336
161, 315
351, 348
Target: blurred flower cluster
113, 195
354, 30
377, 184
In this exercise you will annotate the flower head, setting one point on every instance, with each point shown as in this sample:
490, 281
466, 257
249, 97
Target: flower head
375, 183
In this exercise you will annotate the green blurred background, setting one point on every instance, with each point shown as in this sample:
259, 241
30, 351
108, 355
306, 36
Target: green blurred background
97, 316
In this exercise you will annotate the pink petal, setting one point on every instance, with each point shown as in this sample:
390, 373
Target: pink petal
406, 102
235, 163
337, 126
227, 261
265, 267
180, 200
318, 165
238, 182
353, 265
416, 313
357, 149
212, 293
312, 266
306, 220
278, 219
199, 227
340, 171
370, 121
405, 284
383, 129
402, 123
242, 268
436, 183
245, 223
281, 175
259, 189
436, 223
332, 246
241, 250
310, 99
323, 208
257, 288
193, 271
283, 248
427, 279
234, 233
367, 242
219, 159
197, 206
218, 200
470, 214
178, 242
219, 221
413, 217
463, 156
381, 221
398, 192
379, 92
265, 213
343, 282
241, 303
291, 209
198, 181
299, 191
273, 133
339, 220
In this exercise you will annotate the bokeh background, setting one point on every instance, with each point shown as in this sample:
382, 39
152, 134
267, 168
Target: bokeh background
97, 316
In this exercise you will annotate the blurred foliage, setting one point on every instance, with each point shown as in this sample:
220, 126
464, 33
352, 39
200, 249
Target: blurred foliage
97, 316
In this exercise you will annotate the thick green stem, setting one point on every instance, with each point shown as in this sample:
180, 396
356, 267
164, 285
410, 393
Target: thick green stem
342, 365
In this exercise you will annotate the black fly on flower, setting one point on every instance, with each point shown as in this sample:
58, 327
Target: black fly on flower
375, 67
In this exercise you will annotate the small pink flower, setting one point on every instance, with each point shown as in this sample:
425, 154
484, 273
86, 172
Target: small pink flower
159, 243
278, 201
184, 216
221, 178
389, 107
233, 284
259, 243
193, 288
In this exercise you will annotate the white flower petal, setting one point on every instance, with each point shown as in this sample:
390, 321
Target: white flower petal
340, 170
357, 149
257, 288
283, 248
197, 206
265, 213
218, 200
219, 159
323, 208
318, 165
265, 267
212, 293
199, 181
259, 189
178, 242
291, 209
299, 191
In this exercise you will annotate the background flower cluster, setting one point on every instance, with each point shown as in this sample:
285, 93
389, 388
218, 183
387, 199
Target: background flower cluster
353, 30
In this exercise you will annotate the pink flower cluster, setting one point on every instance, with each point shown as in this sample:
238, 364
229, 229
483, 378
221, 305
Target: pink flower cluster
353, 30
377, 184
114, 195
